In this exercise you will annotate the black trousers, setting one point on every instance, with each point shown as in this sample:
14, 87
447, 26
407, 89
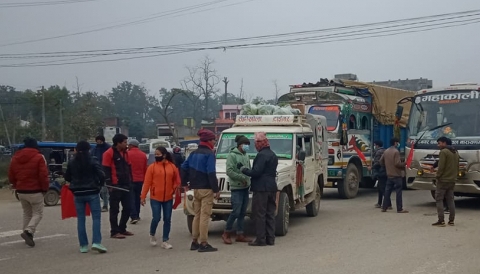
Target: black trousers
263, 211
117, 197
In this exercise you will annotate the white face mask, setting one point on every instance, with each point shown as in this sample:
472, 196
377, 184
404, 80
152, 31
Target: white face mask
245, 147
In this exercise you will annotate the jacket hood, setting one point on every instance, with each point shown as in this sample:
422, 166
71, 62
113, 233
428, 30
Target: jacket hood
451, 148
236, 151
26, 154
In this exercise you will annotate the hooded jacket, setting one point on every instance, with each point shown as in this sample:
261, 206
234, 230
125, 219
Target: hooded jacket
161, 180
237, 178
28, 171
447, 171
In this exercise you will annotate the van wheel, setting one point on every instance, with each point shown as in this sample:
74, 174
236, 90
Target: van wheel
314, 206
283, 217
348, 188
190, 222
51, 197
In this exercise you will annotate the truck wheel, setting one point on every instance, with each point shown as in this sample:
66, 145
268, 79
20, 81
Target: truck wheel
314, 206
51, 197
283, 216
348, 188
190, 222
433, 194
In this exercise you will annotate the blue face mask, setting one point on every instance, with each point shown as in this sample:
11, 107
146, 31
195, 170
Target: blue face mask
245, 147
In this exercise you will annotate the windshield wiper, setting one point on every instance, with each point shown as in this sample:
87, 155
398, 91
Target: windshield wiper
432, 129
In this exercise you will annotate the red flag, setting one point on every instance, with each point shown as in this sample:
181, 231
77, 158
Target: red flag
410, 155
178, 198
68, 204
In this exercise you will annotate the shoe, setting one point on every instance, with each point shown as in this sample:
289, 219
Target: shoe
99, 248
390, 208
451, 223
127, 233
377, 206
226, 238
194, 246
257, 243
134, 221
402, 211
241, 238
84, 249
270, 241
207, 248
104, 209
384, 210
153, 241
118, 236
28, 237
166, 245
439, 224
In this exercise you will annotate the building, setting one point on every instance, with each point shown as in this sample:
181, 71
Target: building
407, 84
226, 119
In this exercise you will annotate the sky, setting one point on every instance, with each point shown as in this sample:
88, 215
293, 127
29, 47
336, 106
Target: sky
446, 56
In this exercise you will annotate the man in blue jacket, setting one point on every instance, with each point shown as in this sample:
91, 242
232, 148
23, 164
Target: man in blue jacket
199, 171
97, 152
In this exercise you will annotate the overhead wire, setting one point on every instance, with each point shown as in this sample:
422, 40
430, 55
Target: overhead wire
42, 3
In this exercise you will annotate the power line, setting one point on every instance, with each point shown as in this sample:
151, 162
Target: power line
39, 3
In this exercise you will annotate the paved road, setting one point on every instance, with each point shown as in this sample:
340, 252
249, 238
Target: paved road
348, 236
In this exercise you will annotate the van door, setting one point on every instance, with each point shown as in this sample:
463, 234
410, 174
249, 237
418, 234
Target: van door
310, 163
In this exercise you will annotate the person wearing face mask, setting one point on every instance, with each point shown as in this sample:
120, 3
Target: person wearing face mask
239, 186
395, 169
161, 180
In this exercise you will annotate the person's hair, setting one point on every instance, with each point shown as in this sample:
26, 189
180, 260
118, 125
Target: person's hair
30, 142
100, 137
446, 140
393, 141
378, 143
119, 138
166, 154
82, 157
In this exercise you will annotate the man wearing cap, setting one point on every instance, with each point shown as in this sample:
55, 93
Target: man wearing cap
28, 175
199, 171
264, 186
138, 160
239, 186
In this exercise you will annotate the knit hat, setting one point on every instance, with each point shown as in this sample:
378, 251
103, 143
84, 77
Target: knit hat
206, 135
241, 139
30, 142
133, 142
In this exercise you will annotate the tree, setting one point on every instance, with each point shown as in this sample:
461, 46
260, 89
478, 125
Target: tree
241, 94
277, 90
165, 108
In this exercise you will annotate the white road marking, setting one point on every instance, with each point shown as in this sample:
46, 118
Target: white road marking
10, 233
6, 258
36, 238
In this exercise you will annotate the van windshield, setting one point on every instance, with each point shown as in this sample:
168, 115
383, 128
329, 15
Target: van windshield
280, 143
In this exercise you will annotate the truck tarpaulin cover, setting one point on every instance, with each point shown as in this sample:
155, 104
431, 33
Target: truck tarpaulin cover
385, 101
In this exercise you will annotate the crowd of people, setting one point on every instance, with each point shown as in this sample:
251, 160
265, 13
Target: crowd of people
119, 176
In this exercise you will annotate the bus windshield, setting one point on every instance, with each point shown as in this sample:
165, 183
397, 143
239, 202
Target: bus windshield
280, 143
460, 108
330, 112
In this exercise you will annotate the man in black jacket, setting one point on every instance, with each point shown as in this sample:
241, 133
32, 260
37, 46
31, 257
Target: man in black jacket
264, 188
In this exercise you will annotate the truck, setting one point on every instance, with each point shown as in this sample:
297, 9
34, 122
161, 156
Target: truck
357, 114
452, 112
300, 143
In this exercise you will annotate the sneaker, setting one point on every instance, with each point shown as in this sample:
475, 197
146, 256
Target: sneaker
207, 248
439, 224
84, 249
194, 246
402, 211
153, 241
127, 233
99, 248
451, 223
28, 237
166, 245
257, 243
134, 221
104, 209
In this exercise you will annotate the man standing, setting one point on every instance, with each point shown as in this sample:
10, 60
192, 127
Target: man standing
264, 187
97, 152
446, 176
239, 186
379, 173
28, 175
177, 157
395, 168
138, 160
199, 170
118, 173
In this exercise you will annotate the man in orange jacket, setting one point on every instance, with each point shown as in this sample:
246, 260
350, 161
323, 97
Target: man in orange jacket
138, 160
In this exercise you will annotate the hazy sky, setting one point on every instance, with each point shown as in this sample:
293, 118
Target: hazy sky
445, 55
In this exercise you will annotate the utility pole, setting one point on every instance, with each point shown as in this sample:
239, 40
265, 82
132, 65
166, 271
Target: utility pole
44, 126
5, 125
61, 120
225, 80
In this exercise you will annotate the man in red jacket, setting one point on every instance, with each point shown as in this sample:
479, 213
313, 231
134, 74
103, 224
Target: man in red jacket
28, 174
138, 160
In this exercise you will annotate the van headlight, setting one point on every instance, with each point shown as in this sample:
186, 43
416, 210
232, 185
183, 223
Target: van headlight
461, 174
419, 172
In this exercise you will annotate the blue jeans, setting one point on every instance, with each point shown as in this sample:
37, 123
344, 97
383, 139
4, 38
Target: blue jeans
94, 202
105, 196
393, 183
136, 192
157, 216
239, 208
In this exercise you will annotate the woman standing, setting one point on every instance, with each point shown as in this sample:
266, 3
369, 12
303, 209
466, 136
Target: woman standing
161, 180
86, 178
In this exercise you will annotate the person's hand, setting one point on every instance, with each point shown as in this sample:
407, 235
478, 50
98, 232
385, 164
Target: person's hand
217, 195
244, 183
142, 202
239, 165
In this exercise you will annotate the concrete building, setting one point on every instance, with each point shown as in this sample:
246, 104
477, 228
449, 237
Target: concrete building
407, 84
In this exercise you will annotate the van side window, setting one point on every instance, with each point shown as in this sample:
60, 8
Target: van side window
308, 146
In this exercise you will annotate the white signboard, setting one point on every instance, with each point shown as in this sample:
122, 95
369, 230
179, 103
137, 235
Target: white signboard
265, 120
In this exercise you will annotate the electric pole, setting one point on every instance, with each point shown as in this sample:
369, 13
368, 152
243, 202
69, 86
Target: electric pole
61, 120
44, 126
225, 80
5, 125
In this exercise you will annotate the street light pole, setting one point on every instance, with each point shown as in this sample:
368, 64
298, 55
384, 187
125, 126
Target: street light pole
44, 126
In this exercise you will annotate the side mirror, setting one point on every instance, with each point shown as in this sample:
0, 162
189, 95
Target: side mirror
301, 155
399, 112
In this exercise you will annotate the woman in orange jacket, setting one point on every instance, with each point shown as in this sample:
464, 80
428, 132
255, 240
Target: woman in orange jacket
161, 180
